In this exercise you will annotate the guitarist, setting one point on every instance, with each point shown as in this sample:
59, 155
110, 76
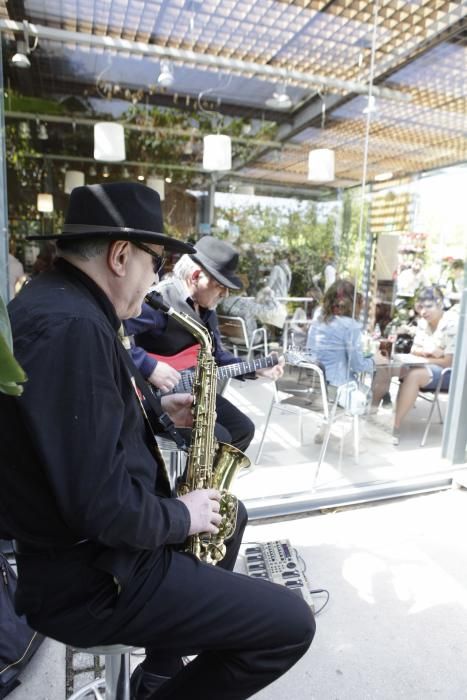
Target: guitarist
198, 283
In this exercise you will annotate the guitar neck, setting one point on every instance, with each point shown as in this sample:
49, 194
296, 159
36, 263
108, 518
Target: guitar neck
228, 371
238, 368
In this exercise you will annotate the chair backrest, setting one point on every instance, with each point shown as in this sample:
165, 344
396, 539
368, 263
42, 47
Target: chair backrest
305, 382
294, 336
233, 329
234, 335
440, 387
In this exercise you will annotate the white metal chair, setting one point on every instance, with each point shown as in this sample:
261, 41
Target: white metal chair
304, 386
293, 338
433, 398
235, 336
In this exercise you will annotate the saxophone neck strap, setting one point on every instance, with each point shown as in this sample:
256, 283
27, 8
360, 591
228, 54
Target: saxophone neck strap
153, 400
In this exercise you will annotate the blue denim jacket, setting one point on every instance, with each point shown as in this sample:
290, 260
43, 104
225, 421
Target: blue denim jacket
337, 345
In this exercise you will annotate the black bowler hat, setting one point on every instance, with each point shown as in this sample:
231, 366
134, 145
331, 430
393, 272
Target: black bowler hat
117, 211
219, 259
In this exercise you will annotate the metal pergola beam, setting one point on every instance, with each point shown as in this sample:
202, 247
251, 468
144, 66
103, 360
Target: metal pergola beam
184, 133
191, 57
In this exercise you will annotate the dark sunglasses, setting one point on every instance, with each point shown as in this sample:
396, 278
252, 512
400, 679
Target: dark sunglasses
157, 260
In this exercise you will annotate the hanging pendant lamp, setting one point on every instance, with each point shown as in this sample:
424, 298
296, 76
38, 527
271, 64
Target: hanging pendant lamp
321, 165
157, 184
45, 203
73, 178
109, 142
217, 152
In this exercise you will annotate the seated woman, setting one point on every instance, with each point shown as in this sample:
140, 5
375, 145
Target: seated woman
435, 339
335, 340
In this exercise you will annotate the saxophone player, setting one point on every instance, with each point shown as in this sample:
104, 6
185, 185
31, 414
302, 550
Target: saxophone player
198, 283
84, 492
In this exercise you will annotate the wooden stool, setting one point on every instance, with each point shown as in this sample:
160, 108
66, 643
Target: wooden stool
116, 683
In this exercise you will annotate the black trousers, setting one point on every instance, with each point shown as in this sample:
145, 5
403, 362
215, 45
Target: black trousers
232, 425
246, 632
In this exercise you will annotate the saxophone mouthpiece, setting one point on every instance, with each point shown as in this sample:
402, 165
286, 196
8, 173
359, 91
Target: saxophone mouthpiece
155, 300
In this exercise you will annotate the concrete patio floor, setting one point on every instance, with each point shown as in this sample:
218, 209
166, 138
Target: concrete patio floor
396, 622
288, 466
395, 625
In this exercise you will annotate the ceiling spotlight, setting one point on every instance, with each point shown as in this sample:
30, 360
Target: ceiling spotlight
20, 58
141, 177
166, 76
105, 171
279, 100
42, 132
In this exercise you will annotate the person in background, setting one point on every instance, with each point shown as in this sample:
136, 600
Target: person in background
335, 341
196, 286
330, 272
435, 339
410, 279
280, 277
455, 281
100, 537
45, 258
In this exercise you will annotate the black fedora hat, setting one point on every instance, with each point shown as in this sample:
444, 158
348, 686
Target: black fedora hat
118, 211
219, 259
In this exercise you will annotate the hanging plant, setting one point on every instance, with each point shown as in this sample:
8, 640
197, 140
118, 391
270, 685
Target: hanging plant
174, 136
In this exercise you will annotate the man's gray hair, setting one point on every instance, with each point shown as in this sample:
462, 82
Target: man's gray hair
85, 249
184, 268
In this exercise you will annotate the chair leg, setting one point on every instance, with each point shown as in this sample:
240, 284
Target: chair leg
356, 437
430, 418
95, 688
324, 446
260, 448
117, 677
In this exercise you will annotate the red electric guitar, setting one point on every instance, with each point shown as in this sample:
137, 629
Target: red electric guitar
185, 362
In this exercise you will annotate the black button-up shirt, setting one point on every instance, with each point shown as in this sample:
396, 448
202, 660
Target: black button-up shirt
75, 458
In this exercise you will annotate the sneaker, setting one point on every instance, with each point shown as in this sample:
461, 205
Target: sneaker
143, 685
395, 436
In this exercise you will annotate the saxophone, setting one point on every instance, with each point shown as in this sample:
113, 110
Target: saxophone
210, 464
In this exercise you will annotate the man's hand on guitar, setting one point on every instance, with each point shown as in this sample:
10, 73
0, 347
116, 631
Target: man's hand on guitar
164, 377
273, 372
178, 407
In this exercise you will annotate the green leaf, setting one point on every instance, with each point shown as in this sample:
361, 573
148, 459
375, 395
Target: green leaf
11, 388
5, 329
10, 371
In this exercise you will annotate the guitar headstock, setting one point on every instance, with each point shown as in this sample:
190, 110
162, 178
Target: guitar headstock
294, 356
